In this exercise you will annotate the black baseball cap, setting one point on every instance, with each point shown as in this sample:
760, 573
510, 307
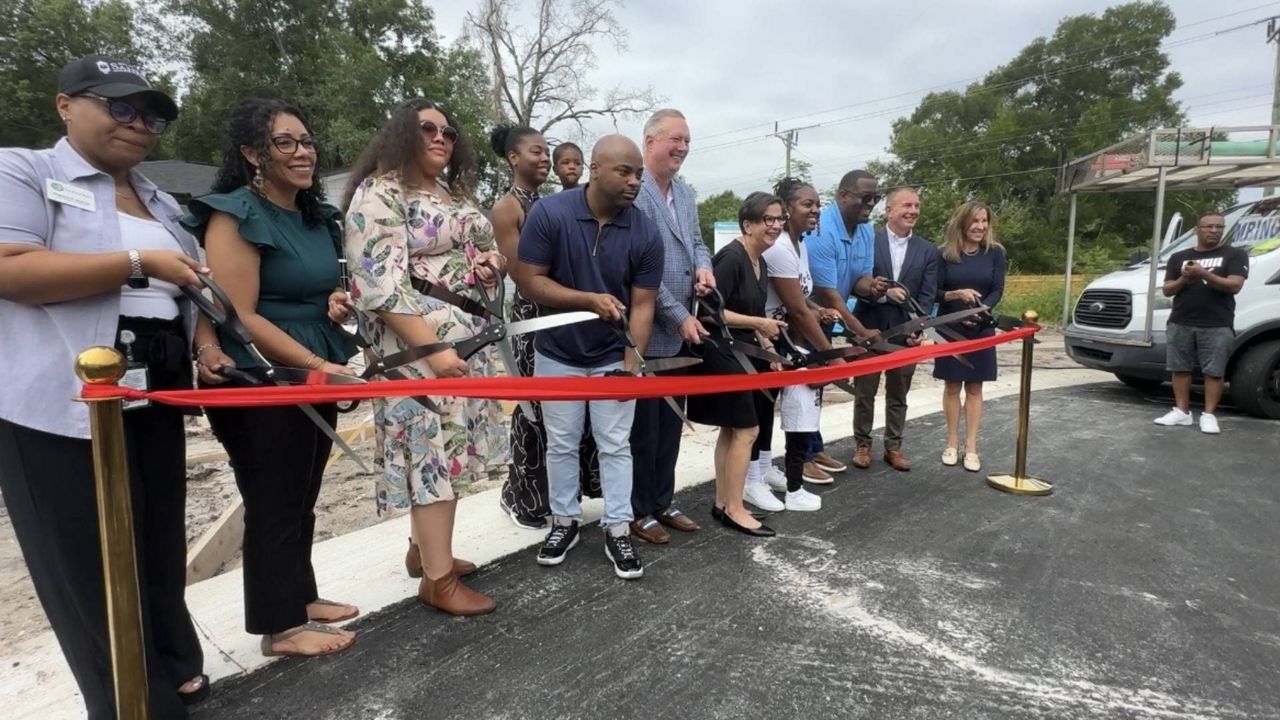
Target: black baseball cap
113, 79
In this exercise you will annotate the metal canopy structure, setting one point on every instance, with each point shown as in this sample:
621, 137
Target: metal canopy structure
1185, 158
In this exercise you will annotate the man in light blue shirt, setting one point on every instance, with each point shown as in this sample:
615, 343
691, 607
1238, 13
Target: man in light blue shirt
841, 252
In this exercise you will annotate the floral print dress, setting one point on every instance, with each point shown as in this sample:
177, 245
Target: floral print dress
395, 234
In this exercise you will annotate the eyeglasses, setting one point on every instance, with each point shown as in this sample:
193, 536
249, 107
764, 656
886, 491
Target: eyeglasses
124, 112
871, 198
288, 144
774, 219
448, 132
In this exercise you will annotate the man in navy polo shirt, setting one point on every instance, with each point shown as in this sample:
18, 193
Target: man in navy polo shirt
590, 249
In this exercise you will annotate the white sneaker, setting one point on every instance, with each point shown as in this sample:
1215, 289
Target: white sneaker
1175, 417
760, 496
803, 501
775, 479
1208, 423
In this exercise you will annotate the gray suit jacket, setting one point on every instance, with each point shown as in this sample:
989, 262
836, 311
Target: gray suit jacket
685, 254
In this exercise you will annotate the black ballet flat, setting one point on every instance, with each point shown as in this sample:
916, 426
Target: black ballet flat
762, 531
717, 513
198, 695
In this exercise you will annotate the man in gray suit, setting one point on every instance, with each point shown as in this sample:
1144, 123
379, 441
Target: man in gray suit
655, 434
912, 261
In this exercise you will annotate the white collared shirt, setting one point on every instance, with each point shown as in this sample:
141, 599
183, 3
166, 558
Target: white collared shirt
897, 250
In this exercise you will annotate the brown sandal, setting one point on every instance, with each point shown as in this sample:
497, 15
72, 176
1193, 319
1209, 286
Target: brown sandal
268, 640
355, 611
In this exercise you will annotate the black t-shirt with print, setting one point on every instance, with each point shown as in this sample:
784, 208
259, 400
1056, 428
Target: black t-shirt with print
1199, 304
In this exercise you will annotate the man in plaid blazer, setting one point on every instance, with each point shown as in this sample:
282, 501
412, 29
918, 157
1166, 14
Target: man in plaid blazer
655, 434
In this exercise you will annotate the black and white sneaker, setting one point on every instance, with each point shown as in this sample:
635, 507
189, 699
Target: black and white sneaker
559, 542
522, 520
626, 562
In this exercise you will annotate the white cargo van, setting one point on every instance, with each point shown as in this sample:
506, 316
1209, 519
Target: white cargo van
1106, 328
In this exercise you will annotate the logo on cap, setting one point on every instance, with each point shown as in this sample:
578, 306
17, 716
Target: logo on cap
103, 67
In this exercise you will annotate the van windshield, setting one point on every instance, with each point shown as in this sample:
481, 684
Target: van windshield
1257, 233
1188, 238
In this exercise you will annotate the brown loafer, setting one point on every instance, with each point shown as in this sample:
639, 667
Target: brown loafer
648, 529
413, 563
675, 519
897, 460
449, 595
862, 458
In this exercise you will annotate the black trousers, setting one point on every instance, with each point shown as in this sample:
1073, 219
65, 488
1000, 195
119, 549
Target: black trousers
797, 455
279, 458
764, 416
48, 487
655, 447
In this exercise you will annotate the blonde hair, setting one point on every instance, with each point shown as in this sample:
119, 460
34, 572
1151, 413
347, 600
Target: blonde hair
958, 230
651, 125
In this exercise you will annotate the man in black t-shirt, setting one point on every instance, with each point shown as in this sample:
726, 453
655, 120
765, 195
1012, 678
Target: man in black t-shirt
1203, 282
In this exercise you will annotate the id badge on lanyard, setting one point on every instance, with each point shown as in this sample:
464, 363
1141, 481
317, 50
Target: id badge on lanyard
136, 376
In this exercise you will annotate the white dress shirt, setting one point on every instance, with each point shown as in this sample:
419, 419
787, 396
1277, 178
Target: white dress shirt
897, 250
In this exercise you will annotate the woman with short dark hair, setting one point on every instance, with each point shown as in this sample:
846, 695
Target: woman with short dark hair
742, 278
91, 254
411, 223
273, 244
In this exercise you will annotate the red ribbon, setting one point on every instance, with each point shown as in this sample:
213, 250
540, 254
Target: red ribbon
550, 388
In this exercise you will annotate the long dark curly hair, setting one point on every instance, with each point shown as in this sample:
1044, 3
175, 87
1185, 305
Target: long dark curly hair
250, 126
400, 143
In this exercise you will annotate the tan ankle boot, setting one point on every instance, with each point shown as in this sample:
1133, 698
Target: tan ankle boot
450, 596
413, 563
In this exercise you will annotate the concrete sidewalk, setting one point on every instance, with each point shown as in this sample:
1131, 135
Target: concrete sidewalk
364, 567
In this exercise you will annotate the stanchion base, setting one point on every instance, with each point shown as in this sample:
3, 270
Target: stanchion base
1019, 486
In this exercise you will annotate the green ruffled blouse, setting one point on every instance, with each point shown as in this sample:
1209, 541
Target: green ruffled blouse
299, 269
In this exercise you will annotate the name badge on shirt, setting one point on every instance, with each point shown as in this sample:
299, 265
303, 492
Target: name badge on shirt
69, 194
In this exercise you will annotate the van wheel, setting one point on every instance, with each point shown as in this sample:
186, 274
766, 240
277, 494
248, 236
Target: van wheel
1252, 381
1140, 383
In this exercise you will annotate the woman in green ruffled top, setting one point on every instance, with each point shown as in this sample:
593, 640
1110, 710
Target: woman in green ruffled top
410, 221
273, 245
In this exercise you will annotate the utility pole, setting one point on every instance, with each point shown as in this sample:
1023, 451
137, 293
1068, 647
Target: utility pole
790, 138
1273, 36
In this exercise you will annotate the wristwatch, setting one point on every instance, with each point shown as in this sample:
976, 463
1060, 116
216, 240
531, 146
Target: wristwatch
137, 280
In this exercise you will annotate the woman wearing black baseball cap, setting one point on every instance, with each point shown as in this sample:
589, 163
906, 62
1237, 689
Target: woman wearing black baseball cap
91, 253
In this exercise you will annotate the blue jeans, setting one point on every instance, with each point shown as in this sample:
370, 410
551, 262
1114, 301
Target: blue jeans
611, 428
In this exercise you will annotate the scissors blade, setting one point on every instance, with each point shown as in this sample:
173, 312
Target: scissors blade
327, 429
508, 358
466, 304
818, 357
520, 327
916, 324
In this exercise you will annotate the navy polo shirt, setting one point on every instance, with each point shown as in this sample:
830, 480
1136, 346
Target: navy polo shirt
563, 235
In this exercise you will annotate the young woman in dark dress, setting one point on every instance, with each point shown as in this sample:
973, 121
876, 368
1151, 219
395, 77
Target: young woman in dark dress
742, 277
971, 273
524, 496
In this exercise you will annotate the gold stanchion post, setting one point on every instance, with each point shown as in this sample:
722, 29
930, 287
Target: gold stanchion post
105, 366
1019, 483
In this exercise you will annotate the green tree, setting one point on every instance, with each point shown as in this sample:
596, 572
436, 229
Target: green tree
717, 208
38, 37
1097, 79
345, 62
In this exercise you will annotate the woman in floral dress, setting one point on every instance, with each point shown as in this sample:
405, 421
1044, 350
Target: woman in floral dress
409, 221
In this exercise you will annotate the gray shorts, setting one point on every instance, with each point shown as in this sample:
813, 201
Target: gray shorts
1208, 347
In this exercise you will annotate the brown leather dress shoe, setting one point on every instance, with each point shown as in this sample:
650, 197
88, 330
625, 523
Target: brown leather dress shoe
862, 457
449, 595
897, 460
677, 520
413, 563
648, 529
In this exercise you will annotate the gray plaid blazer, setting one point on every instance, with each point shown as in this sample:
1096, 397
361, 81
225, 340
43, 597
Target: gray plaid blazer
684, 252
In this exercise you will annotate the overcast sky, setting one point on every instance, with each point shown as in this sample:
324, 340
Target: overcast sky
734, 67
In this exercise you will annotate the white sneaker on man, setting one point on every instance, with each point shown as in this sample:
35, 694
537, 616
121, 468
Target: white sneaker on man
803, 501
1208, 424
1175, 417
775, 479
759, 495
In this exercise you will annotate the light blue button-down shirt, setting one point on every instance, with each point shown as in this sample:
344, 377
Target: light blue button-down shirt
836, 259
38, 343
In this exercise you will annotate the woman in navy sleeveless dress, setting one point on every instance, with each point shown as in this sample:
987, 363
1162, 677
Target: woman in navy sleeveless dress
971, 273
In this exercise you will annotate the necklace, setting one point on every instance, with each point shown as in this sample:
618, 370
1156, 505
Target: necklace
973, 252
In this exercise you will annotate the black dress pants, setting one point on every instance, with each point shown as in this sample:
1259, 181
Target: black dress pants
655, 447
279, 458
48, 487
